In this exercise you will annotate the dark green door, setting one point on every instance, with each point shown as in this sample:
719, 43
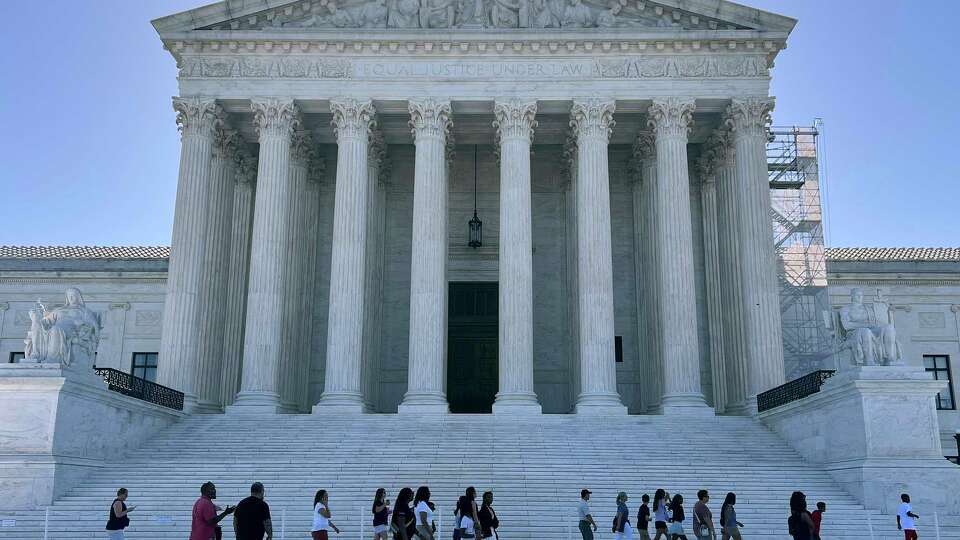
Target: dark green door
472, 347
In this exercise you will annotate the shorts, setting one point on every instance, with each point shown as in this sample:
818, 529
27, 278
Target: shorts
381, 529
660, 525
115, 535
319, 535
910, 534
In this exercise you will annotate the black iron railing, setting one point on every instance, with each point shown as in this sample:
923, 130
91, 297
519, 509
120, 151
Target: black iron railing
796, 389
129, 385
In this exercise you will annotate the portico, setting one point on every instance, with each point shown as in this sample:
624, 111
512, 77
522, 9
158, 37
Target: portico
593, 148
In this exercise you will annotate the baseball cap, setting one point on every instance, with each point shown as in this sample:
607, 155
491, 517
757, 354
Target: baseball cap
585, 492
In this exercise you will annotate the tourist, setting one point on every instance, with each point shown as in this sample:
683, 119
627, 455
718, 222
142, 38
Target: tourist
488, 518
321, 517
728, 518
403, 523
467, 521
118, 515
817, 517
423, 513
702, 517
381, 515
660, 515
203, 525
251, 519
621, 521
799, 524
586, 524
643, 518
676, 518
906, 518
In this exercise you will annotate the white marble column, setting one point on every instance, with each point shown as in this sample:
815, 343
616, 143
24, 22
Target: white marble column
592, 122
378, 169
711, 258
569, 169
645, 152
343, 384
670, 120
216, 256
426, 378
760, 297
275, 121
235, 306
198, 119
311, 226
515, 124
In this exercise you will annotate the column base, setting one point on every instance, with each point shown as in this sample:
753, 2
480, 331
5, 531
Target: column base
434, 403
517, 404
203, 407
255, 403
692, 404
600, 404
737, 409
340, 403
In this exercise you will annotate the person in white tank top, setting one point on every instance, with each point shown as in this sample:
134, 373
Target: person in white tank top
321, 517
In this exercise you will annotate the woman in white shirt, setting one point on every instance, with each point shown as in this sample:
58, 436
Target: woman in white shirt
423, 510
321, 517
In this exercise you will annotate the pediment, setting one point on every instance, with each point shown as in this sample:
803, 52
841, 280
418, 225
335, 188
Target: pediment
667, 15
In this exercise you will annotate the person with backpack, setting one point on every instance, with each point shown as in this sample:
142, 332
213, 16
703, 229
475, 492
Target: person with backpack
622, 530
118, 515
702, 517
381, 515
467, 521
644, 518
799, 524
728, 518
403, 524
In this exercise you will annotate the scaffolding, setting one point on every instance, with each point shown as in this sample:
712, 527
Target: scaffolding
793, 175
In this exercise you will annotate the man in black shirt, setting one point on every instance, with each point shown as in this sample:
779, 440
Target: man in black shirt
251, 519
643, 518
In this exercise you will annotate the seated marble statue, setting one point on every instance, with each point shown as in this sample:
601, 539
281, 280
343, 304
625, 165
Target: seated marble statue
868, 331
65, 334
577, 15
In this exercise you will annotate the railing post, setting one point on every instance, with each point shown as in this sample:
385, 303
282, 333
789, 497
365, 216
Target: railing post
870, 526
46, 522
361, 522
283, 523
936, 524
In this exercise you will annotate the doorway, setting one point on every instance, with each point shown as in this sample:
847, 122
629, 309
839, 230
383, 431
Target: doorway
472, 347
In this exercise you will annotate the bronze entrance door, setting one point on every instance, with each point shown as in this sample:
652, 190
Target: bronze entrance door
472, 347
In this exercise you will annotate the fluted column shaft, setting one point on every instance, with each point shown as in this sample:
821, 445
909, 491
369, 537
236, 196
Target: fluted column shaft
275, 121
573, 302
310, 226
377, 169
711, 268
216, 257
592, 122
671, 120
760, 297
198, 119
430, 120
645, 151
343, 383
515, 124
235, 306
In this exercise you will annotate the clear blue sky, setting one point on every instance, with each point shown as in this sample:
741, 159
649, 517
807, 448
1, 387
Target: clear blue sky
91, 149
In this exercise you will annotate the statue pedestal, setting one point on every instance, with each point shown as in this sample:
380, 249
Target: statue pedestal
58, 424
875, 430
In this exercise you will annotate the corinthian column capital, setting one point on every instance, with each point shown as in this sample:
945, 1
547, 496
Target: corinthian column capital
645, 146
301, 147
198, 115
592, 118
749, 116
226, 143
515, 118
275, 117
353, 118
430, 117
671, 117
716, 153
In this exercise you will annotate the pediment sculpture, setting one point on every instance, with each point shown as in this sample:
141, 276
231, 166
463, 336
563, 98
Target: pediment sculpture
465, 14
867, 331
67, 335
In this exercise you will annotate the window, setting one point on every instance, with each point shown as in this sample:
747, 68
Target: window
145, 366
618, 347
939, 365
16, 357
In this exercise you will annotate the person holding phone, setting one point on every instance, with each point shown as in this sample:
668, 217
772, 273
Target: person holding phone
204, 521
321, 516
381, 514
118, 515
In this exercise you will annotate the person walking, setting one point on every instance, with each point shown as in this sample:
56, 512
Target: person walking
203, 525
381, 515
488, 517
586, 524
251, 519
644, 518
702, 517
660, 515
403, 524
676, 518
906, 519
817, 517
423, 512
467, 522
118, 520
622, 530
321, 517
800, 525
728, 518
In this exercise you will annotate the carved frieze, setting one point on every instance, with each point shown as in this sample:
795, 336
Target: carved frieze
148, 318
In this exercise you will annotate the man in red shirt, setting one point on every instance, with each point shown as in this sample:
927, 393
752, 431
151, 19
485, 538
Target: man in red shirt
205, 518
817, 517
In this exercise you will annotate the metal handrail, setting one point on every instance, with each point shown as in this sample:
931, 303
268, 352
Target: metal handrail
139, 388
796, 389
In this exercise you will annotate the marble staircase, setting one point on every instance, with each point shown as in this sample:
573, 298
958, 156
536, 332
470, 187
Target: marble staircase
535, 466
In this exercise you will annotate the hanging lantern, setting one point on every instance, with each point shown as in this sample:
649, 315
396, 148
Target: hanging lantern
476, 226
